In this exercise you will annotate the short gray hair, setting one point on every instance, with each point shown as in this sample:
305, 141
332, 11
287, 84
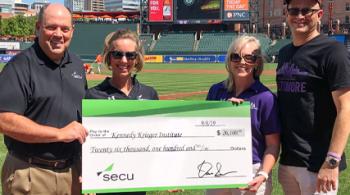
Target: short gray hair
43, 8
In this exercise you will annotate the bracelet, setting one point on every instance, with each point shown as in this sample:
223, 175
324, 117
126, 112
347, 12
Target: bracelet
263, 173
334, 155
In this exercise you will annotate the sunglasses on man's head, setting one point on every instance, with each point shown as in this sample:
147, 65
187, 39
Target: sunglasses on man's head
303, 11
119, 55
249, 58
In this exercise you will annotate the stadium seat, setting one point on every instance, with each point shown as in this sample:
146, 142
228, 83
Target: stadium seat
177, 42
215, 42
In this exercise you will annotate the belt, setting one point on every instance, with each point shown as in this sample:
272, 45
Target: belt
43, 163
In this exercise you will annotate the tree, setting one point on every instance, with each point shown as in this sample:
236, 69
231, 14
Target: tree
18, 26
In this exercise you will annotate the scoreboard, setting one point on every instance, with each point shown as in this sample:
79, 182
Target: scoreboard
198, 11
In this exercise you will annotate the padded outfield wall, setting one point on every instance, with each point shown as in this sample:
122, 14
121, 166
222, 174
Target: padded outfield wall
88, 38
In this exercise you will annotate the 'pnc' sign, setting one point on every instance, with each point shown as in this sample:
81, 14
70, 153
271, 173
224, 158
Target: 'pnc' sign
237, 15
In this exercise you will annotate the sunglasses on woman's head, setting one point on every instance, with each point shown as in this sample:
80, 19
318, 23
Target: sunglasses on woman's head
119, 55
249, 58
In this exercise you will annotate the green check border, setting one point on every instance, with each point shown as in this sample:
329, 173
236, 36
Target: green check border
170, 108
163, 188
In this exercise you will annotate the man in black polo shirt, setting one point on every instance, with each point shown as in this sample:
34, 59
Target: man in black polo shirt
40, 107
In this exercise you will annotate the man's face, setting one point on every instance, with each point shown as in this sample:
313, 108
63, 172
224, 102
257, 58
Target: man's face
303, 16
55, 31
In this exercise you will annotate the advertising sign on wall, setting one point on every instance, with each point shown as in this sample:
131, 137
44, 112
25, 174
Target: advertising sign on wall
236, 10
160, 10
4, 58
340, 38
189, 58
153, 58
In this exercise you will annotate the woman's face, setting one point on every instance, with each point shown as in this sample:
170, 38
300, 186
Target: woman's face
243, 63
123, 57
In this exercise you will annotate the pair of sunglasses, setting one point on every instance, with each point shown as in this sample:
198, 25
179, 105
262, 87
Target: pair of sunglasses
302, 11
249, 58
119, 55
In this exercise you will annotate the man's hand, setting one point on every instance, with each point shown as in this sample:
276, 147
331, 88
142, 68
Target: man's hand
253, 186
73, 131
327, 178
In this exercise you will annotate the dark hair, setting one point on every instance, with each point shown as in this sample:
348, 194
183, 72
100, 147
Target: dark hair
318, 1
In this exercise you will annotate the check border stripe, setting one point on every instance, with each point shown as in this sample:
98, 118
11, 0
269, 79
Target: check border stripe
169, 108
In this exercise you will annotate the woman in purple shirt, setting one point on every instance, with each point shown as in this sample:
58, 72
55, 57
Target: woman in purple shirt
244, 64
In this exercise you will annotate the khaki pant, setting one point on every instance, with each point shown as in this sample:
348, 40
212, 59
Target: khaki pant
21, 178
299, 181
264, 189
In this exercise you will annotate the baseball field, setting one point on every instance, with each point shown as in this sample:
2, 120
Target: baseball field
191, 82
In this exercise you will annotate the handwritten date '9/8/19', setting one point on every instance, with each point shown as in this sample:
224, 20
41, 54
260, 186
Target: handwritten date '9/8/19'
206, 169
208, 123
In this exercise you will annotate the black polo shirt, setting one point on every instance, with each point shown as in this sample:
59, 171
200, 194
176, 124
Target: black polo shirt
48, 93
105, 90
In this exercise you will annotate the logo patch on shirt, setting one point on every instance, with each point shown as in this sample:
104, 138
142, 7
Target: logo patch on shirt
140, 97
111, 97
253, 106
76, 75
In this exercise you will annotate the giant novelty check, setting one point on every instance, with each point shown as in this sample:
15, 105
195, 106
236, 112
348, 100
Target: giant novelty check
158, 145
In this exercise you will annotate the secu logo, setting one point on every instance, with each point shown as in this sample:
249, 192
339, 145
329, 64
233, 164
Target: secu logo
109, 175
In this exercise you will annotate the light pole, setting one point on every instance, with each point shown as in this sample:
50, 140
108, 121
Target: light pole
141, 16
330, 18
284, 25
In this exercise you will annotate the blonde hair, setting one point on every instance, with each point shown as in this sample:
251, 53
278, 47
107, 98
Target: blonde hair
123, 34
236, 47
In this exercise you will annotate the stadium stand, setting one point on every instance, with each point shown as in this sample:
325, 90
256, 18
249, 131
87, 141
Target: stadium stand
176, 42
25, 45
264, 41
88, 38
215, 42
146, 41
276, 46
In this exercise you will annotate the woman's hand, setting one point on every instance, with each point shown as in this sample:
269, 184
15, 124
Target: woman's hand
236, 101
176, 190
254, 185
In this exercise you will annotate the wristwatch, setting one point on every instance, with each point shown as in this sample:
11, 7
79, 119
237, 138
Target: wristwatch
264, 174
332, 162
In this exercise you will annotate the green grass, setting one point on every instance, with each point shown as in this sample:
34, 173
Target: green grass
166, 83
170, 83
1, 66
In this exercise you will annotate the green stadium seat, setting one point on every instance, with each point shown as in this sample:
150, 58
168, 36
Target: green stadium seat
215, 42
177, 42
146, 41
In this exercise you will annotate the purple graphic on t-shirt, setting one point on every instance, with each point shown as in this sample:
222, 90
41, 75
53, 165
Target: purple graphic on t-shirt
288, 75
289, 70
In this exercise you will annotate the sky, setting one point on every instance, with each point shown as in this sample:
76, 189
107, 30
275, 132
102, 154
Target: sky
51, 1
